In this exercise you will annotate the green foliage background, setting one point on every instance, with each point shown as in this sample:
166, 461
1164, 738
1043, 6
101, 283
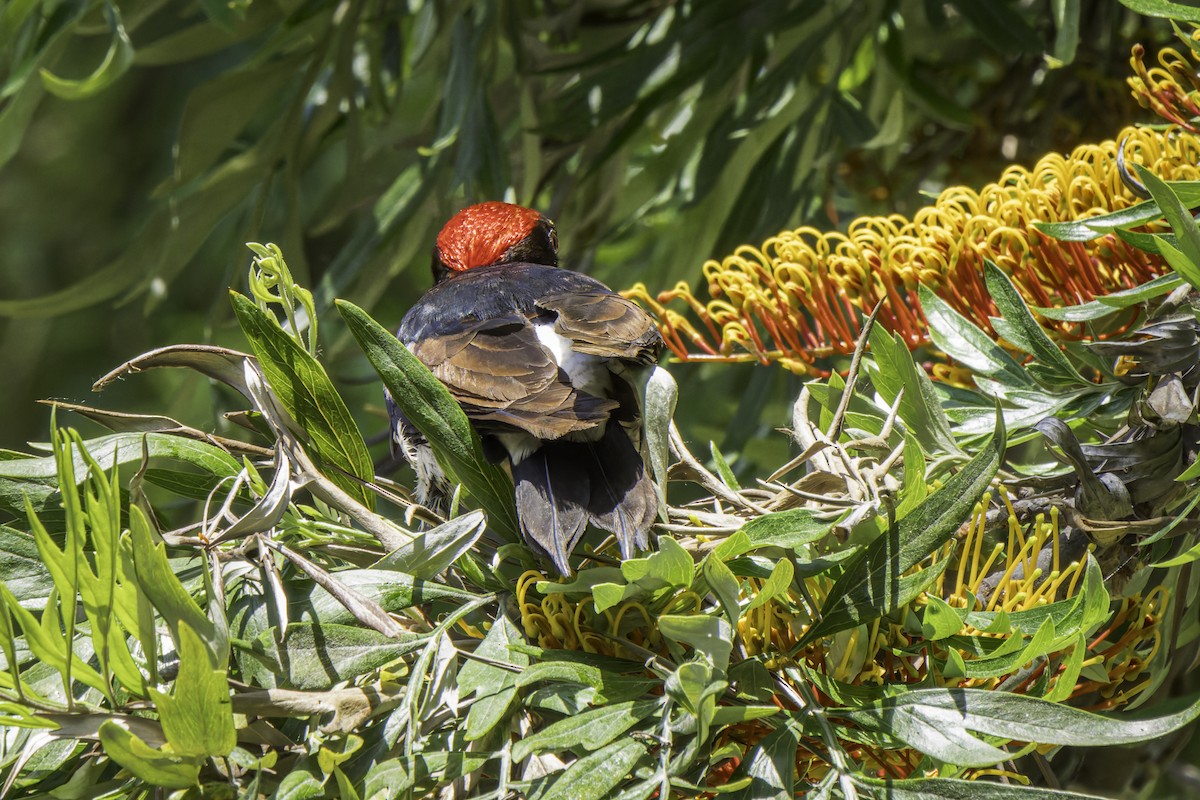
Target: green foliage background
657, 134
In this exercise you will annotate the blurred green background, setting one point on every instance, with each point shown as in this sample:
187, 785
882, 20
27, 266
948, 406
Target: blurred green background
143, 142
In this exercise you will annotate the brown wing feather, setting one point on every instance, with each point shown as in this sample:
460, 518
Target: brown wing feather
500, 373
605, 324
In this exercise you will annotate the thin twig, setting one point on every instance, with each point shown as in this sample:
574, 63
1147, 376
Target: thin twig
707, 479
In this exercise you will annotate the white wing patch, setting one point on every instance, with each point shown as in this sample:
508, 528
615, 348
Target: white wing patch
586, 372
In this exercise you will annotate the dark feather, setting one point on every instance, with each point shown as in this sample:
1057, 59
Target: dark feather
623, 500
552, 494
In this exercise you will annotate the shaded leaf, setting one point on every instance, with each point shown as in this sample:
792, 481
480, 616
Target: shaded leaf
303, 388
430, 407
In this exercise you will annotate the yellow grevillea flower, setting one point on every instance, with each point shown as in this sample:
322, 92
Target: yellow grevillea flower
1162, 89
801, 295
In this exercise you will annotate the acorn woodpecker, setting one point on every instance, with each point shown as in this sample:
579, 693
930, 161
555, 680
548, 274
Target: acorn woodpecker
549, 366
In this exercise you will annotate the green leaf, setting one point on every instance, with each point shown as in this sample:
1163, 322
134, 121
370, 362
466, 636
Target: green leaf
1019, 327
594, 776
197, 717
1164, 8
116, 61
1103, 306
591, 729
303, 388
723, 470
127, 448
217, 111
915, 490
1176, 213
669, 568
940, 620
872, 583
1066, 30
791, 529
724, 586
1184, 267
956, 789
774, 586
300, 784
156, 767
602, 685
893, 371
1001, 26
46, 642
940, 722
429, 554
963, 341
157, 579
393, 591
24, 570
771, 766
318, 656
712, 636
495, 688
429, 406
1085, 230
658, 407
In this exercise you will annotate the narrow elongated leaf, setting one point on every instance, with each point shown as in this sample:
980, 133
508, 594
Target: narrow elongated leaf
303, 388
435, 550
1184, 267
791, 529
658, 407
429, 406
1020, 328
495, 688
595, 775
1186, 231
320, 656
955, 789
392, 591
23, 569
1066, 33
893, 372
158, 581
1085, 230
963, 341
724, 586
711, 636
126, 448
591, 730
1103, 306
941, 722
872, 583
1164, 8
778, 583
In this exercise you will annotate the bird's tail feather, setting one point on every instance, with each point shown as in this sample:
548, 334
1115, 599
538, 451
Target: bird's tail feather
562, 485
622, 499
552, 494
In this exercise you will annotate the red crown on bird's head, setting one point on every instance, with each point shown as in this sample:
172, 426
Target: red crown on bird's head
480, 235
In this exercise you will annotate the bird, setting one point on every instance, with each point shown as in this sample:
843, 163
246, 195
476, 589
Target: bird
550, 366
